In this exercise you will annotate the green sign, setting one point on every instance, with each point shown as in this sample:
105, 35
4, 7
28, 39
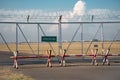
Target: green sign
49, 39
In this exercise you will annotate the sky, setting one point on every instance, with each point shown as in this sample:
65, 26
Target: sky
77, 10
58, 4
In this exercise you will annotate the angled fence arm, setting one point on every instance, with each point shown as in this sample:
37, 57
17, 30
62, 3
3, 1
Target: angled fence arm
5, 42
26, 39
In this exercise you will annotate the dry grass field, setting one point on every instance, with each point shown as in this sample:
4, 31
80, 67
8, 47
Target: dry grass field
7, 74
75, 47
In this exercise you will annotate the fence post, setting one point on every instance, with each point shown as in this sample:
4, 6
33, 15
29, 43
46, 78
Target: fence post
59, 35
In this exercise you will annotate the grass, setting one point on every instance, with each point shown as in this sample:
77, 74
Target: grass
7, 74
75, 47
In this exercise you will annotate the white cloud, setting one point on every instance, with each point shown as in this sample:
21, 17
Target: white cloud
79, 8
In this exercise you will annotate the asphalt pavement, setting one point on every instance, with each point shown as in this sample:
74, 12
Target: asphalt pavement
76, 68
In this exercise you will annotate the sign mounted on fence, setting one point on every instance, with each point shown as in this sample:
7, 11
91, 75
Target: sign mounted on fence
49, 38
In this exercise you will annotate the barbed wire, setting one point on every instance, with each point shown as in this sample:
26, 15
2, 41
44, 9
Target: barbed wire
39, 15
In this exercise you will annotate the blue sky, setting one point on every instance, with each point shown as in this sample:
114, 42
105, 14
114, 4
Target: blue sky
58, 4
